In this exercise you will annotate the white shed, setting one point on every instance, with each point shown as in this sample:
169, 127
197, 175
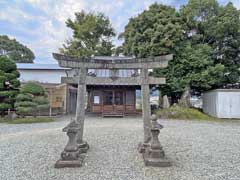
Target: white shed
222, 103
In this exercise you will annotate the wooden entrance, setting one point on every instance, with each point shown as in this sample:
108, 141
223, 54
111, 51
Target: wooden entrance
113, 103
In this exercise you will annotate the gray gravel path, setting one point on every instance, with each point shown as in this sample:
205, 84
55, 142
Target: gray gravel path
198, 150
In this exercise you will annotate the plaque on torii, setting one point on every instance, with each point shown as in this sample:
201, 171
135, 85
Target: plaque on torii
73, 153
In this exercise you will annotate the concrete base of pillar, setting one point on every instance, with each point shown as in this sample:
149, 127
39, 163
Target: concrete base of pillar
69, 163
156, 162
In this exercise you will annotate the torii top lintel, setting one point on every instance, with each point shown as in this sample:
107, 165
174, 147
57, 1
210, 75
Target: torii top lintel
111, 63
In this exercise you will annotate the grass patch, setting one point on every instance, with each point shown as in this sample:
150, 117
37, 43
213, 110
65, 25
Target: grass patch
177, 112
27, 120
3, 120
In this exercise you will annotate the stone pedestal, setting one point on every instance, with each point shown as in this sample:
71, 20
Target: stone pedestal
153, 153
72, 156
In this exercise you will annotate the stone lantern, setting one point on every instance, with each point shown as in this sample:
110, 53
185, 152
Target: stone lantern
154, 154
72, 156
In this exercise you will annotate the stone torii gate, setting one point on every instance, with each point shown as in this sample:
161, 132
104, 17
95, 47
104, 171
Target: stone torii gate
73, 153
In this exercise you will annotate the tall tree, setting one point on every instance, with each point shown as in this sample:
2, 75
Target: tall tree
193, 68
154, 32
218, 26
92, 35
15, 51
9, 83
162, 30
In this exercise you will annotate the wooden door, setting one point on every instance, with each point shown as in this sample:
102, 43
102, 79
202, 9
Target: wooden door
119, 106
108, 105
113, 101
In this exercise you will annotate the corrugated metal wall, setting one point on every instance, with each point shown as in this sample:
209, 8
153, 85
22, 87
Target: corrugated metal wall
222, 103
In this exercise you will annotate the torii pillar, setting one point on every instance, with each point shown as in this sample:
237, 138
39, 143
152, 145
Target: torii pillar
80, 110
146, 111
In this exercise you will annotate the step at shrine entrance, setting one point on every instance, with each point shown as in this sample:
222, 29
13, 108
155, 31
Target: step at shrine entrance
112, 100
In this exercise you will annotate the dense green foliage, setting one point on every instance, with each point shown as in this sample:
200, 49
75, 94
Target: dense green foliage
192, 67
31, 100
218, 26
154, 32
32, 88
15, 51
92, 35
203, 36
8, 83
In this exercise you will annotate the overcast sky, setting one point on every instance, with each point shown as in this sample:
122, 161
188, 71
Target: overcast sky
40, 24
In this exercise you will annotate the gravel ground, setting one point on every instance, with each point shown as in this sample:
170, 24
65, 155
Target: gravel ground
198, 150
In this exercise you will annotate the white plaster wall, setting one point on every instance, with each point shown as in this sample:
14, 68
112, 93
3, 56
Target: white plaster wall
42, 76
222, 103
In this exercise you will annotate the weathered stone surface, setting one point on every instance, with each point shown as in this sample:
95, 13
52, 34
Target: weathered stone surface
166, 103
81, 99
116, 81
146, 111
131, 63
153, 154
71, 156
12, 116
185, 98
71, 164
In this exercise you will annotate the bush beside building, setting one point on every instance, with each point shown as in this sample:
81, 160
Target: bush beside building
31, 100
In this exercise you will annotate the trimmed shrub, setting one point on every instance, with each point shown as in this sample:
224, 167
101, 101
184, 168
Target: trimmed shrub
24, 97
4, 106
26, 104
33, 88
8, 93
24, 110
41, 100
31, 100
42, 107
